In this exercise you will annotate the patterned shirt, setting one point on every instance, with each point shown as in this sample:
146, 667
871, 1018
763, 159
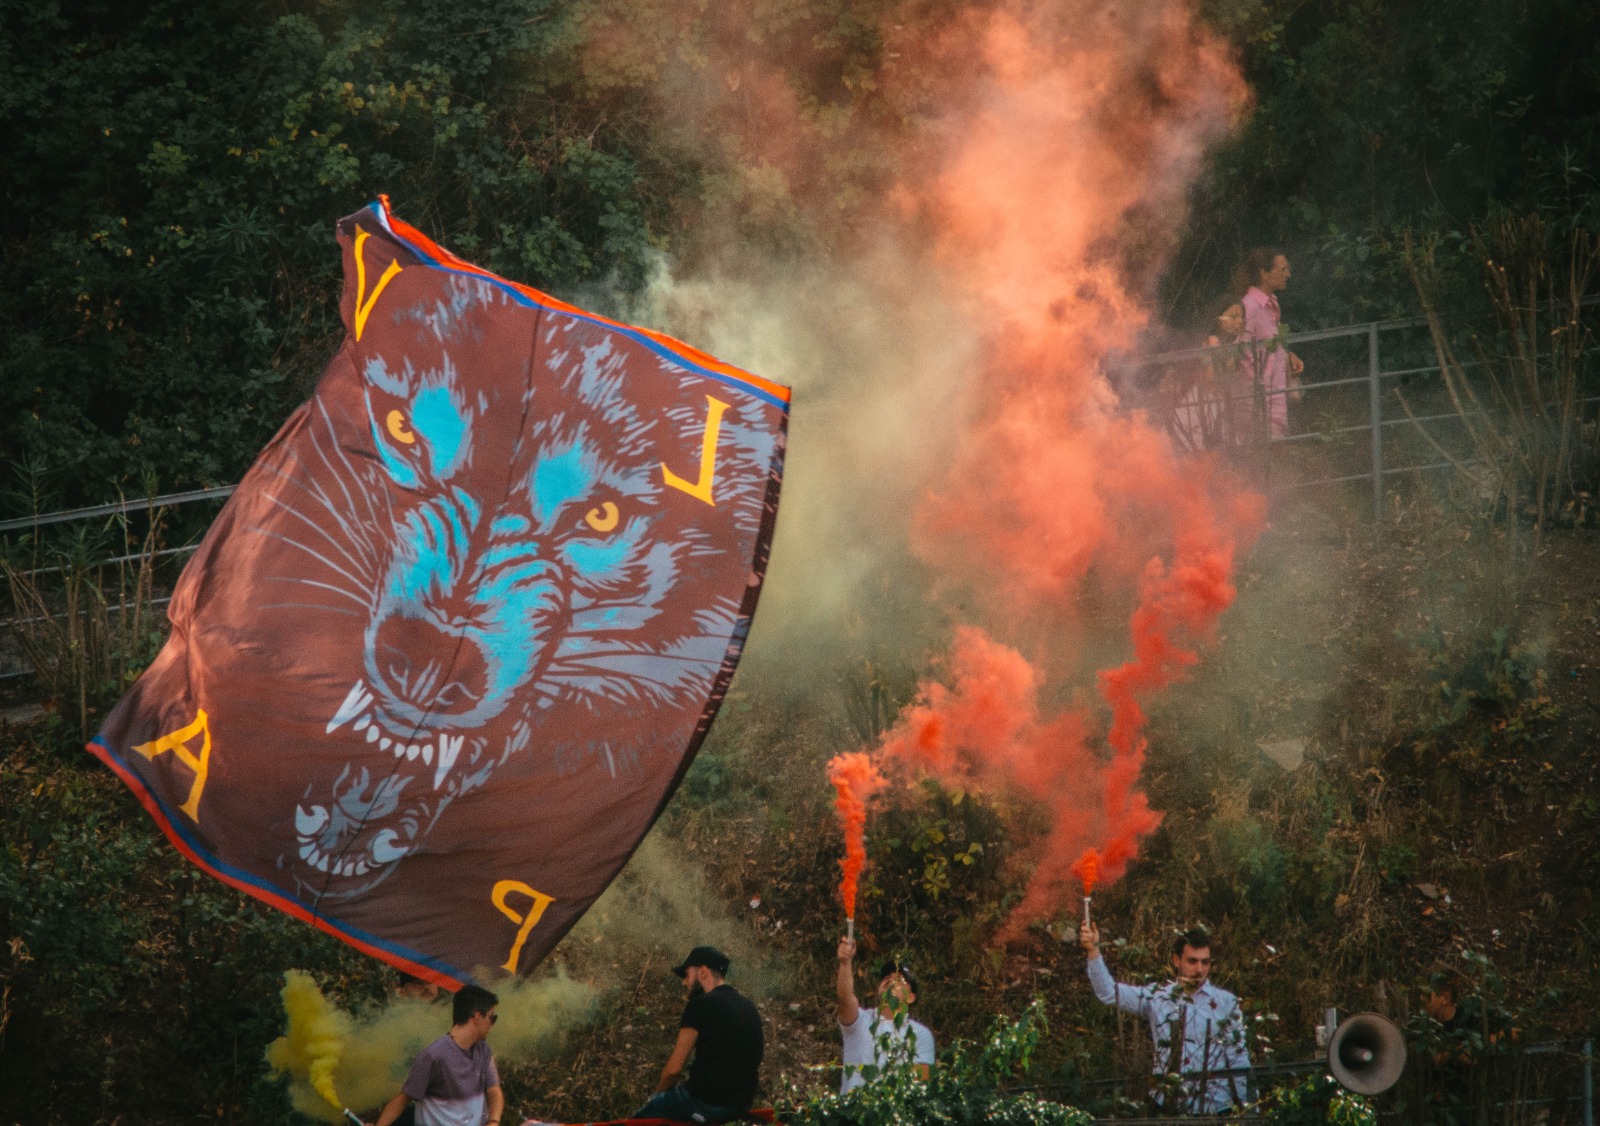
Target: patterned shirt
1206, 1023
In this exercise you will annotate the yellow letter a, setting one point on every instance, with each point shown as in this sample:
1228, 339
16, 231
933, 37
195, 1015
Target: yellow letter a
176, 743
701, 489
364, 303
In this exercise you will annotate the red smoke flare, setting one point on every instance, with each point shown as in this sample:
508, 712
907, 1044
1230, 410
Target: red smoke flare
855, 779
1087, 869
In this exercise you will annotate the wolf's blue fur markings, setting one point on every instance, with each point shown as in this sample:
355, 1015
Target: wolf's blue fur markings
483, 612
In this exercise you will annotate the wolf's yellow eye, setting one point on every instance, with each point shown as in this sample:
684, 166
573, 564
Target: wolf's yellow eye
398, 430
604, 518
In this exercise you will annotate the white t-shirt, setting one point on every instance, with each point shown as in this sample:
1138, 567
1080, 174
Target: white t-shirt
875, 1039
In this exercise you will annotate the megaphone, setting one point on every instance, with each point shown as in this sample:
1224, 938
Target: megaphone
1366, 1054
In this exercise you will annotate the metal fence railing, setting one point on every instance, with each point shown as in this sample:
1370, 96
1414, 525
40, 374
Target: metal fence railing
1543, 1084
1351, 401
1348, 409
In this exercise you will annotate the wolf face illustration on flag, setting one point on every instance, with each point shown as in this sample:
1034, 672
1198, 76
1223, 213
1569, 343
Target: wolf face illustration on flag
456, 637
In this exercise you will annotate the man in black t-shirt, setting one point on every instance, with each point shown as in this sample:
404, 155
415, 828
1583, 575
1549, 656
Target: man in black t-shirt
723, 1030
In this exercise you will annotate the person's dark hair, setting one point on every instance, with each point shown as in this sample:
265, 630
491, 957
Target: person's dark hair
1256, 263
1197, 937
1215, 309
1441, 977
470, 1001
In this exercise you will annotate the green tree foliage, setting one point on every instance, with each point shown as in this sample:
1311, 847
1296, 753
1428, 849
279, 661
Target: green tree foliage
967, 1088
173, 172
1315, 1101
132, 986
1370, 117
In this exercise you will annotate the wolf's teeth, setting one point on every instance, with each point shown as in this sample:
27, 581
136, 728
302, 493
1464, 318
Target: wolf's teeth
319, 862
363, 721
413, 751
372, 734
306, 850
399, 750
427, 753
449, 748
383, 743
361, 867
355, 702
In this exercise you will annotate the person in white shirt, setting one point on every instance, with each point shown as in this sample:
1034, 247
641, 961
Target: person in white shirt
884, 1036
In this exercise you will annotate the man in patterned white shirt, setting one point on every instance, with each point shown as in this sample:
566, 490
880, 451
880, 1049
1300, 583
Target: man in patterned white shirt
1196, 1029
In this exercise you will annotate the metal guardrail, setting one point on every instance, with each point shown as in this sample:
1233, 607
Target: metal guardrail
1375, 424
1583, 1048
116, 508
1373, 379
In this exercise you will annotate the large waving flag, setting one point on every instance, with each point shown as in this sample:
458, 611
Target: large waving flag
451, 645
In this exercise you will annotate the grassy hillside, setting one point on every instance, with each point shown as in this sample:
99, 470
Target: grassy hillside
1436, 682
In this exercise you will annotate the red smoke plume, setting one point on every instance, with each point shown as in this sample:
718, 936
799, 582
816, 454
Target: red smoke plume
1068, 150
855, 779
986, 728
1028, 161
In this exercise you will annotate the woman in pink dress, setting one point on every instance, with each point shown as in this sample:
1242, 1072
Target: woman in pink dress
1209, 401
1276, 369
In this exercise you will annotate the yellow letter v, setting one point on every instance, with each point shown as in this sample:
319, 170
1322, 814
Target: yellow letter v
364, 303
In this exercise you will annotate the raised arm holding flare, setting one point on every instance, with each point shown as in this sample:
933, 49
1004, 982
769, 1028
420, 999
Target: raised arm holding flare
883, 1036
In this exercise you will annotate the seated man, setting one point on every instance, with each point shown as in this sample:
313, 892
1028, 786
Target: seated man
1195, 1028
454, 1081
885, 1035
723, 1030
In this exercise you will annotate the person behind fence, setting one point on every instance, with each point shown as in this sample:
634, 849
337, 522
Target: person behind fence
1196, 1028
1460, 1039
1229, 375
1459, 1023
723, 1031
1213, 399
883, 1036
1276, 370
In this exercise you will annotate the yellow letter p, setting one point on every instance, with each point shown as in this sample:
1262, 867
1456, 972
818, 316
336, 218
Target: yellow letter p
527, 920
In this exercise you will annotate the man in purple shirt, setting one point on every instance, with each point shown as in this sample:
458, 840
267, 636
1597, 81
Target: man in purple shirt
454, 1081
1274, 366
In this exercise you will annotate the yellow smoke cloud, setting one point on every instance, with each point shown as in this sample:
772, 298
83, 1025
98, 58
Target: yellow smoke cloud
329, 1054
310, 1050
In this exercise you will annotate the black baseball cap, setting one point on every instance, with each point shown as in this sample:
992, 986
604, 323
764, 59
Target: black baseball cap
903, 970
708, 956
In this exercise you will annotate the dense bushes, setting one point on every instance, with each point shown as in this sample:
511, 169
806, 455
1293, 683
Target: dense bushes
1374, 118
966, 1089
132, 985
172, 176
